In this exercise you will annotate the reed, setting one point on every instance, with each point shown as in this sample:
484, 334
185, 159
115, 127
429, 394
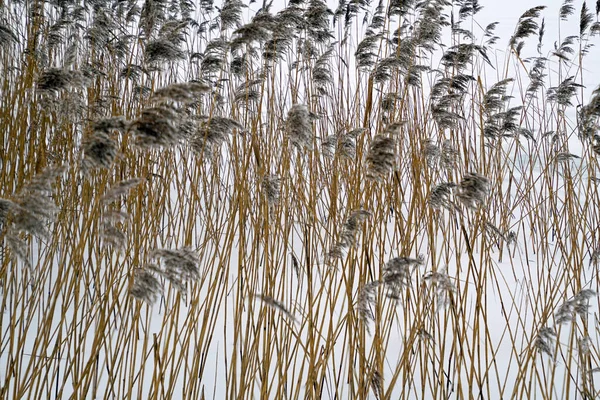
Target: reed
299, 200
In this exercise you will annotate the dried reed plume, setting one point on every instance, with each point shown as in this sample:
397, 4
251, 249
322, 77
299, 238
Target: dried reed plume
112, 235
578, 305
210, 133
366, 302
188, 92
381, 157
396, 276
276, 305
120, 189
377, 385
299, 126
440, 196
55, 79
31, 211
7, 36
111, 232
342, 145
445, 154
99, 151
158, 127
442, 286
271, 186
545, 341
431, 152
163, 50
146, 286
348, 235
473, 189
178, 266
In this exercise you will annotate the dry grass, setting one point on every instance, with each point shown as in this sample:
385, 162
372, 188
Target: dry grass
228, 201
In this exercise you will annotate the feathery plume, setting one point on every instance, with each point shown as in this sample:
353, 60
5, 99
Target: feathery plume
579, 304
163, 50
158, 127
431, 152
212, 133
275, 304
348, 235
299, 126
366, 301
32, 211
178, 266
397, 274
146, 286
473, 189
7, 36
99, 151
381, 157
442, 285
440, 195
545, 341
181, 92
120, 189
271, 185
55, 79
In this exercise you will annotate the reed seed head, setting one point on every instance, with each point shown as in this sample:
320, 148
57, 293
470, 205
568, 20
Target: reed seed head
381, 158
299, 126
146, 287
178, 266
473, 189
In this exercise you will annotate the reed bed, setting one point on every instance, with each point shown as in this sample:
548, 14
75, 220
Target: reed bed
300, 200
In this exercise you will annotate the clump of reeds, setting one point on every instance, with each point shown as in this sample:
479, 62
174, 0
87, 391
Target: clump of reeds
247, 70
